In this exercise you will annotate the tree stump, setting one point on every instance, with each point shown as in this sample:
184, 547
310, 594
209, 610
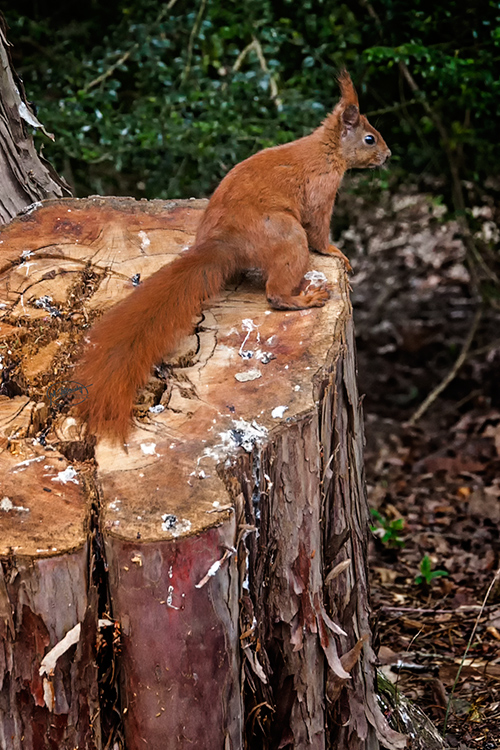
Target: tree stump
232, 530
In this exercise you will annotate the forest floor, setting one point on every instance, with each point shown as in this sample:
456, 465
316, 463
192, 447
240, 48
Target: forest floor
434, 486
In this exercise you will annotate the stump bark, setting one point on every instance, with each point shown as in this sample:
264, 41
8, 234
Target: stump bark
231, 533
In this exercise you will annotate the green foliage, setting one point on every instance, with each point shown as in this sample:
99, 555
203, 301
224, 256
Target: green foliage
387, 530
161, 102
427, 575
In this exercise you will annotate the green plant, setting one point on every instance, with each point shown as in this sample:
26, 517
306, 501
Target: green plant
427, 575
388, 530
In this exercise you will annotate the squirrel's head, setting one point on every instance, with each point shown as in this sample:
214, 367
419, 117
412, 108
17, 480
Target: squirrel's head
350, 134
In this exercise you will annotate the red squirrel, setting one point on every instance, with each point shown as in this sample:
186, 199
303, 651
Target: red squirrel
266, 214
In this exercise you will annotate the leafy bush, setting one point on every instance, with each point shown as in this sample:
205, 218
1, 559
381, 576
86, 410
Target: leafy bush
160, 100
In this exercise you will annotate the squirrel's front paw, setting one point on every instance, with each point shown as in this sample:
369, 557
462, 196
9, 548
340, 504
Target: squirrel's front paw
332, 250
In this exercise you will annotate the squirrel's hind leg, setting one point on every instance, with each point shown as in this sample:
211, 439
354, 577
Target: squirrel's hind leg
289, 264
315, 298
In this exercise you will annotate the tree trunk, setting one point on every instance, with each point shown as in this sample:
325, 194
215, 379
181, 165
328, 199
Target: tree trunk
25, 177
233, 530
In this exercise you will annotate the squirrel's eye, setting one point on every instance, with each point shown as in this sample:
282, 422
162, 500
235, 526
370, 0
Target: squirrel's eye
369, 140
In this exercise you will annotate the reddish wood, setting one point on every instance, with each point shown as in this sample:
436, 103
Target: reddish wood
181, 676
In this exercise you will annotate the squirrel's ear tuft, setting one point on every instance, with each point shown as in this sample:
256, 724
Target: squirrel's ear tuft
349, 95
350, 116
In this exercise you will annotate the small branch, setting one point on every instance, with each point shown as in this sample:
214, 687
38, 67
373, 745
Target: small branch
392, 108
495, 344
265, 69
192, 37
244, 52
257, 48
452, 374
373, 13
109, 71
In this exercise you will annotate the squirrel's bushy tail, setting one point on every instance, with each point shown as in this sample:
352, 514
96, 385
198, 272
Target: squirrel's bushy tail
140, 330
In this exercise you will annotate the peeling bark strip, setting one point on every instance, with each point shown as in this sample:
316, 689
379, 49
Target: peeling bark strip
40, 602
288, 583
24, 176
233, 529
355, 720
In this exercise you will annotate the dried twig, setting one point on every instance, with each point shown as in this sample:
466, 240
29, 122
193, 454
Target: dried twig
452, 373
496, 578
470, 608
192, 37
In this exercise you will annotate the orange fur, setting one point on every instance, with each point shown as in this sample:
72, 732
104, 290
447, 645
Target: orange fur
267, 213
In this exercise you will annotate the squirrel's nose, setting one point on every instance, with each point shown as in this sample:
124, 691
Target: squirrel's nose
389, 153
